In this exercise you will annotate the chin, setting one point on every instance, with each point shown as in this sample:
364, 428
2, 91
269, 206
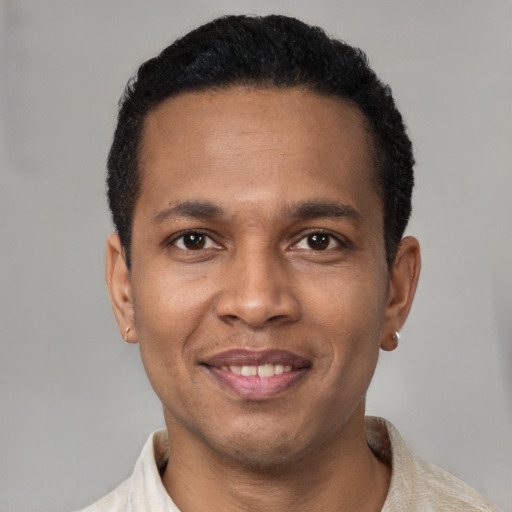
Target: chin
260, 455
264, 446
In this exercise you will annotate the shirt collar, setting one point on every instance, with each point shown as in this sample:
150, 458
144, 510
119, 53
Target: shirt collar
147, 491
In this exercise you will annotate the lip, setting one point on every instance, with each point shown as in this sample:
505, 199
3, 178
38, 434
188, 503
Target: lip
255, 387
243, 357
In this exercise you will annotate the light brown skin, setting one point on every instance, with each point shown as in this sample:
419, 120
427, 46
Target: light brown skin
257, 284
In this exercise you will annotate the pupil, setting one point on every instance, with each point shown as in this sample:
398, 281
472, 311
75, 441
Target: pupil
318, 241
194, 241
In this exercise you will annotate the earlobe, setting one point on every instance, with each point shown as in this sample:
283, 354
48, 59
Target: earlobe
119, 286
402, 287
390, 341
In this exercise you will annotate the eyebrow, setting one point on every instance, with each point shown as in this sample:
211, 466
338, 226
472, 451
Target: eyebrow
324, 209
304, 211
192, 209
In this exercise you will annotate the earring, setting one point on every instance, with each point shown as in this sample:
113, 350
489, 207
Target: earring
389, 343
126, 334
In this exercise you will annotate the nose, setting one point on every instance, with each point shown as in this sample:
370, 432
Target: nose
257, 290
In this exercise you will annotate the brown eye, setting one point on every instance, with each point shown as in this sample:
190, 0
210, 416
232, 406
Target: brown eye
318, 241
193, 241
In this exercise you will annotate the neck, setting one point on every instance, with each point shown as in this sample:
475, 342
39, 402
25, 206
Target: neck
341, 474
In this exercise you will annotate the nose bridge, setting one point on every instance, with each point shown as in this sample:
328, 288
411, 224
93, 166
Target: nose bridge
257, 288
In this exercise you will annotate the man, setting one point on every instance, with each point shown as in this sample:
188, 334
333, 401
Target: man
260, 182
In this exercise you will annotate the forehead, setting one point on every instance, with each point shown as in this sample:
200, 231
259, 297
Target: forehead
256, 144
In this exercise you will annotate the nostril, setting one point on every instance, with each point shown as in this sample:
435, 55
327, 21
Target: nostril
258, 317
230, 319
276, 318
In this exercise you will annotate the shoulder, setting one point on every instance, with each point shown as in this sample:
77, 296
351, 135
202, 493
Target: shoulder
143, 490
447, 492
416, 485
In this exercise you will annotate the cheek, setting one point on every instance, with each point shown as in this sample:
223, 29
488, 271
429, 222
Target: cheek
168, 312
349, 314
348, 301
167, 302
166, 316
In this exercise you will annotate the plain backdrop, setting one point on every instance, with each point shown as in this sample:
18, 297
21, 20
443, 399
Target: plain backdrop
75, 405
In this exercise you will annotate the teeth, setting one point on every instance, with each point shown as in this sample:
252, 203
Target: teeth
249, 371
236, 370
266, 370
278, 369
263, 370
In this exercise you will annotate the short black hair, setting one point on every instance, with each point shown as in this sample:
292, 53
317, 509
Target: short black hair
269, 51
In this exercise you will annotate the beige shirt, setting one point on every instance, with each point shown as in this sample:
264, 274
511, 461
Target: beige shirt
416, 485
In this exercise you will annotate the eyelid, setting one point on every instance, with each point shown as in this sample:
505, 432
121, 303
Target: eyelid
340, 240
173, 239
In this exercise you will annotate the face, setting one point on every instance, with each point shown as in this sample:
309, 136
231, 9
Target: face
259, 290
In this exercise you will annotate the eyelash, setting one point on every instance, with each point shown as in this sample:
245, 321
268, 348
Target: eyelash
180, 236
304, 239
331, 238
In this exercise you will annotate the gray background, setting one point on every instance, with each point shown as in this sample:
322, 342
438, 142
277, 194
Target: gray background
75, 407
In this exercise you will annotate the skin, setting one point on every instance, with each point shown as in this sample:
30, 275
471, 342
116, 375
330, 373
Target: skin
256, 283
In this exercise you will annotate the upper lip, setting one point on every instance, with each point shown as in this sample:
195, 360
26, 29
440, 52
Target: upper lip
244, 357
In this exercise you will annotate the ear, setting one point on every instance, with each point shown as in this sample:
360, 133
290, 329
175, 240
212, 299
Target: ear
119, 286
402, 287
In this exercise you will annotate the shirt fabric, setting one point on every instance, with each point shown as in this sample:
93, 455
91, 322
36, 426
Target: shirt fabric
416, 485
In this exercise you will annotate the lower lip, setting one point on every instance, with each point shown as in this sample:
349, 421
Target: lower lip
255, 388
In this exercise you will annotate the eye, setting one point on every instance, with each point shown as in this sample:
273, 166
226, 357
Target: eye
194, 241
318, 242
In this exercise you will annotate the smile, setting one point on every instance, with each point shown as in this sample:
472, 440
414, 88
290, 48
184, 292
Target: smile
263, 370
258, 374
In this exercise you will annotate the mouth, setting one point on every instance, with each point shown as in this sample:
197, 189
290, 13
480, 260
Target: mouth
258, 374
